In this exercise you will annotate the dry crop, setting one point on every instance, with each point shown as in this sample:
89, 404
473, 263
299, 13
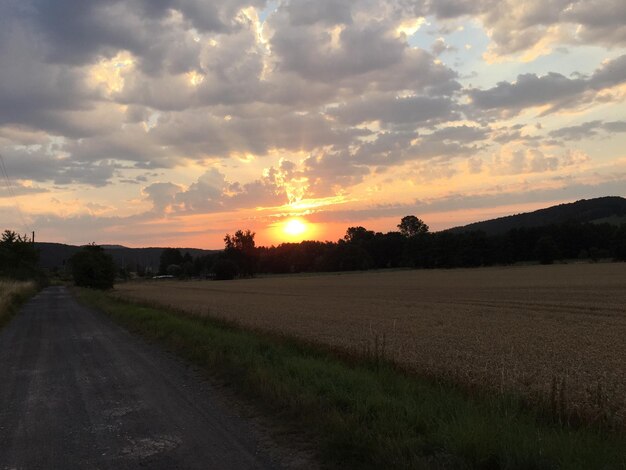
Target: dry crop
9, 290
556, 334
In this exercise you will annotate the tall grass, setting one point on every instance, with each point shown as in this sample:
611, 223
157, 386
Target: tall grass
366, 414
12, 293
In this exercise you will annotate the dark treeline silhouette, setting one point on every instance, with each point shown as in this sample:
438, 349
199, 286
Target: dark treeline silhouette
365, 249
412, 246
18, 257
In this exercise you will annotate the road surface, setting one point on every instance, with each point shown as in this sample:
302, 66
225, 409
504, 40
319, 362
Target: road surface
77, 391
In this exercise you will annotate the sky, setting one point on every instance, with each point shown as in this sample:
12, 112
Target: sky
174, 122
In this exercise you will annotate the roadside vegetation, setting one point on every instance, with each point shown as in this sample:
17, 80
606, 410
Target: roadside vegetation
12, 295
20, 276
364, 412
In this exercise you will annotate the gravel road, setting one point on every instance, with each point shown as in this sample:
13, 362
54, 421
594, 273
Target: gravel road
77, 391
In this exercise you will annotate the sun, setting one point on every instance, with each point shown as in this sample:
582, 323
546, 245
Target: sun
294, 227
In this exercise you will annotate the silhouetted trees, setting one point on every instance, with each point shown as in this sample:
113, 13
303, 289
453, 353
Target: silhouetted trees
170, 257
240, 249
411, 226
18, 256
92, 267
412, 246
415, 247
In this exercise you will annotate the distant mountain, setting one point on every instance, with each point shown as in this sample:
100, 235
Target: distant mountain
56, 255
610, 209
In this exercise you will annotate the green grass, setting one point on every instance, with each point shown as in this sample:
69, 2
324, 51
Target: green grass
365, 414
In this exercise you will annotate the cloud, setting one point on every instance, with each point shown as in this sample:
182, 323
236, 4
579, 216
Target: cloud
162, 195
487, 198
533, 27
439, 47
44, 165
588, 129
328, 12
356, 55
417, 110
552, 90
314, 100
211, 192
19, 190
148, 29
517, 161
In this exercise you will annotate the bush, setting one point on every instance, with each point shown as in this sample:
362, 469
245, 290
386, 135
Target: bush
225, 270
92, 267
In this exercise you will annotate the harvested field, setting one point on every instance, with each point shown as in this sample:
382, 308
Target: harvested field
553, 333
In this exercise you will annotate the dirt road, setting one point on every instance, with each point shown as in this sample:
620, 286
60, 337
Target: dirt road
77, 391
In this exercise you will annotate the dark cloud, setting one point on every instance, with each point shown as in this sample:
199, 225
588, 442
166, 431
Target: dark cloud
329, 12
439, 47
517, 27
45, 165
76, 32
418, 110
360, 49
552, 89
588, 129
601, 21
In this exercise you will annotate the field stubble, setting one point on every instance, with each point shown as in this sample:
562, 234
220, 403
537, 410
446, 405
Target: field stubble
555, 334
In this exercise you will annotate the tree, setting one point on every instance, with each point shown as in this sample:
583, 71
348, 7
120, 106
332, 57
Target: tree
241, 241
411, 226
358, 234
240, 248
169, 256
18, 256
92, 267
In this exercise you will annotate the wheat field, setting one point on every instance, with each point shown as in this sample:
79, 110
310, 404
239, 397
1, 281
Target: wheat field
556, 334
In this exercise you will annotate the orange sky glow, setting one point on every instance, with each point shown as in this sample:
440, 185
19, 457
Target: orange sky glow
174, 126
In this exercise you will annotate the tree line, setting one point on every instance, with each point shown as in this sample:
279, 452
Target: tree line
411, 246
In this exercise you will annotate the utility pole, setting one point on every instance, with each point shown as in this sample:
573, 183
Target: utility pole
33, 240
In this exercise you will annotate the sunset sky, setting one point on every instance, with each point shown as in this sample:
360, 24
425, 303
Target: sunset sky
173, 122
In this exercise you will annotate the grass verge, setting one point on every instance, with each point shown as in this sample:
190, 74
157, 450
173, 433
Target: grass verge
369, 415
12, 295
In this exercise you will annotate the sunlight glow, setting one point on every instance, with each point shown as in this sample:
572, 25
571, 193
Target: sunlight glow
295, 227
109, 73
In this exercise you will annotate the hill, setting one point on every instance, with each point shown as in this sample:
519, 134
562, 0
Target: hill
55, 255
610, 209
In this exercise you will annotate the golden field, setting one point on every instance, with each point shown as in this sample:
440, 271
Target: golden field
556, 334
